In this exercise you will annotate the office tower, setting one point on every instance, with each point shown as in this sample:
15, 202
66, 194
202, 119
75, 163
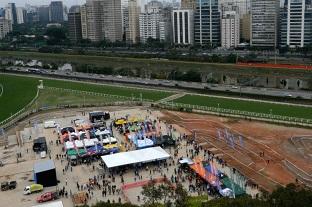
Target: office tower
56, 12
10, 13
245, 28
74, 9
21, 15
2, 12
43, 12
188, 4
134, 27
165, 25
5, 27
243, 5
112, 20
183, 24
207, 23
149, 26
153, 7
264, 15
101, 20
295, 24
74, 26
125, 23
230, 29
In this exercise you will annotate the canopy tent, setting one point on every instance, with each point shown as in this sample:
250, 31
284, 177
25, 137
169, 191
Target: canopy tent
51, 204
134, 157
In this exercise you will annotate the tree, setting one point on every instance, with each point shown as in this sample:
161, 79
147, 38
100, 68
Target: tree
167, 192
181, 196
151, 193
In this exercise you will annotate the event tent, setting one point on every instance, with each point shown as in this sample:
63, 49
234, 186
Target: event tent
134, 157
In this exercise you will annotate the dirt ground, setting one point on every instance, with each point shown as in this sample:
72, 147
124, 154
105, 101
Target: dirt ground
261, 152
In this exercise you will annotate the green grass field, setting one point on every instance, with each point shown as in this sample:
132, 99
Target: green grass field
17, 93
250, 106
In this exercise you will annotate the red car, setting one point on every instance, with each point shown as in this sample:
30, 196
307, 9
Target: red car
49, 196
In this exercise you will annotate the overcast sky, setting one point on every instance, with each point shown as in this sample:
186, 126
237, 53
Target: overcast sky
3, 3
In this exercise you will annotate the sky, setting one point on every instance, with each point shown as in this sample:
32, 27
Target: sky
3, 3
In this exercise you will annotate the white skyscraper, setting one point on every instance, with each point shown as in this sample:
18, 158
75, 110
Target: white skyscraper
149, 26
230, 29
5, 27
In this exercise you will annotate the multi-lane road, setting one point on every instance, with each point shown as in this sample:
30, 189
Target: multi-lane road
167, 83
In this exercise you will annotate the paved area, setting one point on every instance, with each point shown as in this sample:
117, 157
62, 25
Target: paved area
20, 169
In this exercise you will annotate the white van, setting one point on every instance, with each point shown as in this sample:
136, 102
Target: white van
49, 124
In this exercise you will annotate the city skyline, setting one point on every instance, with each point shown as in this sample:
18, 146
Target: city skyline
22, 3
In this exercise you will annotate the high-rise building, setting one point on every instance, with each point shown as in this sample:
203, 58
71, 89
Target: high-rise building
10, 13
43, 12
2, 12
125, 23
207, 23
20, 14
149, 26
245, 28
264, 24
56, 12
165, 25
182, 24
295, 24
188, 4
101, 20
230, 29
74, 26
5, 27
134, 27
153, 7
242, 5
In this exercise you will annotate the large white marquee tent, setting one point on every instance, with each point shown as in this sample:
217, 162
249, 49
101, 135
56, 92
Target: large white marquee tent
134, 157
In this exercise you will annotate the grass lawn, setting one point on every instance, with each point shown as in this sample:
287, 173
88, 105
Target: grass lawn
195, 201
107, 89
49, 98
18, 92
251, 106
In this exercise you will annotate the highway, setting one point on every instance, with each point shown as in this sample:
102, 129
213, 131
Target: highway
168, 83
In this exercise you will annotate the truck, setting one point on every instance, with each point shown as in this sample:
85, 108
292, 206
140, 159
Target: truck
48, 196
32, 189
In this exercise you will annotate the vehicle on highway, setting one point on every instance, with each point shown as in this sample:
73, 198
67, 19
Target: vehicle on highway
32, 189
48, 196
234, 87
8, 185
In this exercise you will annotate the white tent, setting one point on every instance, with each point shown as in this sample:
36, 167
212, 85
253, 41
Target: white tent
88, 142
69, 145
133, 157
51, 204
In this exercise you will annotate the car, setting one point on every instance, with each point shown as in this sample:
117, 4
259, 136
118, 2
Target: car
234, 87
48, 196
8, 185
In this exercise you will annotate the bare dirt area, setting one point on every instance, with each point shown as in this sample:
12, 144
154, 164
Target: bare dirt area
269, 155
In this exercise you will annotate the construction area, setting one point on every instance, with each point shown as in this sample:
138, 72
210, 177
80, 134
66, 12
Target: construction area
268, 155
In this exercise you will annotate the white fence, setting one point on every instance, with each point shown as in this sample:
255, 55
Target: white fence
240, 114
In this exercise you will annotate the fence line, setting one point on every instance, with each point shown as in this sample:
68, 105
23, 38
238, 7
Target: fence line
240, 114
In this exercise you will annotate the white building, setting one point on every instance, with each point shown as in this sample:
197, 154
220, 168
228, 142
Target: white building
20, 15
230, 24
182, 25
5, 27
149, 26
134, 27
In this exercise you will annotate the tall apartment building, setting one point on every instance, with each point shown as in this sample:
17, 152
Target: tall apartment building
56, 13
165, 25
242, 5
43, 12
149, 26
295, 24
21, 15
153, 7
188, 4
183, 24
264, 23
5, 27
134, 27
245, 27
207, 23
74, 26
101, 20
230, 35
10, 13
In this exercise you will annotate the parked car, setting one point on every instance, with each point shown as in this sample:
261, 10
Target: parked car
8, 185
49, 196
